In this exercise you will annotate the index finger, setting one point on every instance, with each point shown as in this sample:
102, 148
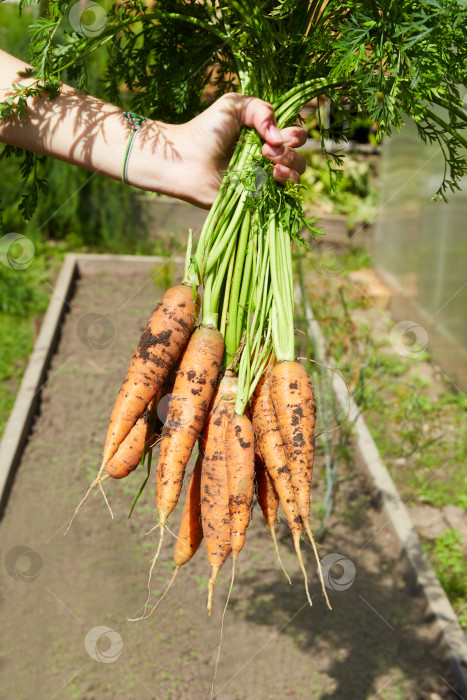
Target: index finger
260, 114
294, 136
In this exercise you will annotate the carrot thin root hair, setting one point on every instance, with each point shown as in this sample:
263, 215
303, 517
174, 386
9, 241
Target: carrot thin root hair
274, 539
296, 541
105, 499
215, 568
318, 562
234, 559
173, 534
97, 482
167, 589
153, 564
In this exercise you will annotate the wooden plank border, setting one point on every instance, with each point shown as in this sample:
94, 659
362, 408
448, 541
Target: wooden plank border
27, 401
369, 458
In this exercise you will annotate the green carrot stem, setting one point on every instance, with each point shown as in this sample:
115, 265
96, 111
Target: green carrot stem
234, 331
227, 295
209, 317
218, 275
281, 313
225, 239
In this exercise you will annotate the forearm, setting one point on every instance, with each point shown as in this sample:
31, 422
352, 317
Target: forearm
88, 132
182, 160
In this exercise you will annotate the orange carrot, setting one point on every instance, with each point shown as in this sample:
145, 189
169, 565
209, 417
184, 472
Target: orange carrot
272, 449
190, 533
294, 406
268, 500
240, 462
194, 387
160, 346
215, 515
266, 491
141, 436
292, 396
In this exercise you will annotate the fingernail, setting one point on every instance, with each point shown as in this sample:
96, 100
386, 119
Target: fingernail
275, 133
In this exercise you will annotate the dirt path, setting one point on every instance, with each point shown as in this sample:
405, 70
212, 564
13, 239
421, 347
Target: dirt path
377, 642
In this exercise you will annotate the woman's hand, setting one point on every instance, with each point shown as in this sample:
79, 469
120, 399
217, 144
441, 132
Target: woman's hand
197, 153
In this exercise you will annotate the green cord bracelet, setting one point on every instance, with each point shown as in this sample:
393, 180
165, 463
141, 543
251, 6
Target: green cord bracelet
135, 122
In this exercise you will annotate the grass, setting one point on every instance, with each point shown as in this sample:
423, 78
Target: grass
417, 421
24, 295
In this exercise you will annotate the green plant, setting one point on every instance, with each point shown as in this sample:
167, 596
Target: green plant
451, 568
350, 192
381, 59
46, 198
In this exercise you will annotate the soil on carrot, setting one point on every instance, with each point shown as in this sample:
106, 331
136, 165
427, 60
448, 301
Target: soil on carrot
65, 600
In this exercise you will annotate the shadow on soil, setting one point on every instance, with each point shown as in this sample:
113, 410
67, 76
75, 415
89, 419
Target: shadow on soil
379, 626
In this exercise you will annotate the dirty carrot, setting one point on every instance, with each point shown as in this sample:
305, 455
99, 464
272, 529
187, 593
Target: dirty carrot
215, 515
240, 462
190, 533
268, 500
141, 437
194, 387
292, 397
272, 449
159, 348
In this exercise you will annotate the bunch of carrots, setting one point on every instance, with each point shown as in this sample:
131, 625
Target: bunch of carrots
267, 448
228, 360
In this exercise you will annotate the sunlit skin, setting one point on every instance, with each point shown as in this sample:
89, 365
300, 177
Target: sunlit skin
182, 160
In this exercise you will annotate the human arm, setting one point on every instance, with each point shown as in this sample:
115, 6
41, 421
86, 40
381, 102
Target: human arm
181, 160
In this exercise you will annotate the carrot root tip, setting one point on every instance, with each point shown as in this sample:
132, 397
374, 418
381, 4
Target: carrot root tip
97, 482
318, 563
169, 586
296, 540
222, 623
274, 539
214, 571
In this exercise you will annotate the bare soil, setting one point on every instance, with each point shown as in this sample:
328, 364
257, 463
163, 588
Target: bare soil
378, 642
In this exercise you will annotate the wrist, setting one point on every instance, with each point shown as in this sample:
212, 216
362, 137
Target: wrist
153, 159
160, 162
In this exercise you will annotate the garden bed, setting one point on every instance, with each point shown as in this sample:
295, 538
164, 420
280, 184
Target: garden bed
379, 640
